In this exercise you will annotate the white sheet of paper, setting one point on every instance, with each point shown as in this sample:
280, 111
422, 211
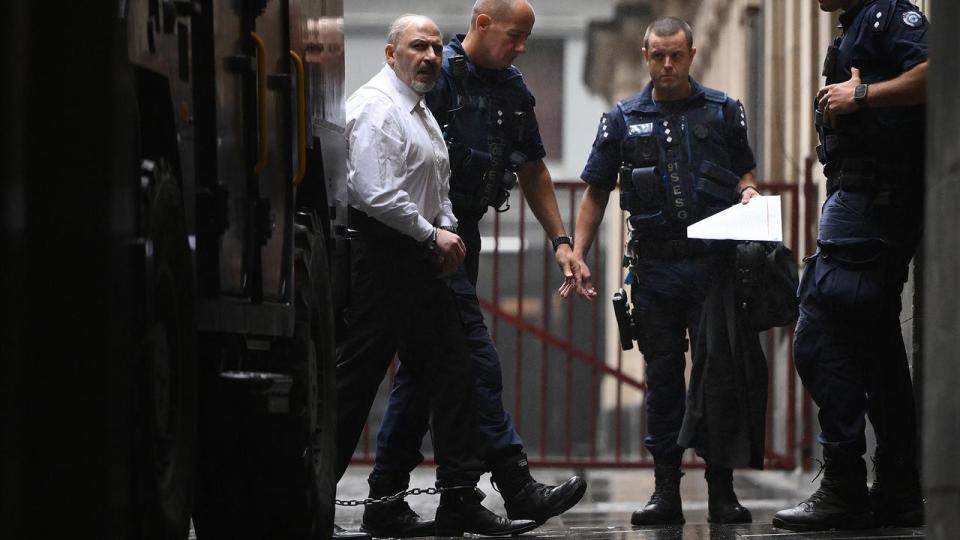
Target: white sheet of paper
759, 219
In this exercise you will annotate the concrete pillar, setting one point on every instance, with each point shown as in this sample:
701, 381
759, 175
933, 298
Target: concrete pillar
941, 276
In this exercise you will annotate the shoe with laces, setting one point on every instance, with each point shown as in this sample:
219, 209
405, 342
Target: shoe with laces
665, 507
839, 503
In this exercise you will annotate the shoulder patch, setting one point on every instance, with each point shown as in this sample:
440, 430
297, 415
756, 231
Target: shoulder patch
913, 19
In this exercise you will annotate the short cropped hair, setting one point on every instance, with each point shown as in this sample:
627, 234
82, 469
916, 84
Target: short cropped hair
668, 26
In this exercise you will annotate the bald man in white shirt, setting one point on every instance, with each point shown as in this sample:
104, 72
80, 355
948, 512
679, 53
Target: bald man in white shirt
397, 186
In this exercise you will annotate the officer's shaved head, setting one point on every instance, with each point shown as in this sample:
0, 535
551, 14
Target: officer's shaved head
495, 9
666, 27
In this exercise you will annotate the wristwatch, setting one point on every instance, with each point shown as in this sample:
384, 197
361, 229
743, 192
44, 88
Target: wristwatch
561, 240
860, 94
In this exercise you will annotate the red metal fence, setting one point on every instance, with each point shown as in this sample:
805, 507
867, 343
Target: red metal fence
573, 406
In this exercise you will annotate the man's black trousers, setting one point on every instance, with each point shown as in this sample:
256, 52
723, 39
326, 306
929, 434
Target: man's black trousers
398, 305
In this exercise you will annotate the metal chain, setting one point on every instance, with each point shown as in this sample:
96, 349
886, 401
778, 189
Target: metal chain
400, 495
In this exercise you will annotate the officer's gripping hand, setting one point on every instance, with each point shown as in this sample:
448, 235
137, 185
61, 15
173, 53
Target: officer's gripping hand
451, 249
837, 99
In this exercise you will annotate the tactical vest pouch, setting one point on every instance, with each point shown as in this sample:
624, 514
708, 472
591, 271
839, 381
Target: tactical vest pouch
718, 173
821, 154
646, 222
646, 184
640, 189
716, 183
830, 63
628, 199
831, 146
713, 190
477, 159
641, 151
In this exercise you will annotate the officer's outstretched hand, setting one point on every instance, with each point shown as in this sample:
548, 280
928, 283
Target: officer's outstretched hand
837, 99
581, 283
451, 249
570, 267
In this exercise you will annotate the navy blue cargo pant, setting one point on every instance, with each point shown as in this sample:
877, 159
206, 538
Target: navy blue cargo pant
668, 299
406, 419
848, 348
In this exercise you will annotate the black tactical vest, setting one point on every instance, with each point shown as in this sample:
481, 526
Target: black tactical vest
871, 139
676, 168
484, 130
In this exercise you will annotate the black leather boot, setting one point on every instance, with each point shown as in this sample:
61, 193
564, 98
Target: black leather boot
895, 496
394, 519
722, 503
460, 512
664, 507
840, 503
525, 498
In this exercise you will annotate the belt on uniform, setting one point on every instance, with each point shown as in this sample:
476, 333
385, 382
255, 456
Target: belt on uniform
671, 248
867, 174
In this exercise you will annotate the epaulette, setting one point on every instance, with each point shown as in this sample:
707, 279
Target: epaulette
716, 96
633, 104
879, 15
630, 102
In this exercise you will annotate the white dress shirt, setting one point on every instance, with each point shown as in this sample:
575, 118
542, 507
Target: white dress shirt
398, 167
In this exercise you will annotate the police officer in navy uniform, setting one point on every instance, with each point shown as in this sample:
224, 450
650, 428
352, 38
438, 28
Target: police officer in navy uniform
494, 141
680, 153
848, 348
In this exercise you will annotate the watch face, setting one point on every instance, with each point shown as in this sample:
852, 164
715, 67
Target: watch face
860, 91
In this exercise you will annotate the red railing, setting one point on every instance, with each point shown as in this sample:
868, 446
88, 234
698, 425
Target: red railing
557, 384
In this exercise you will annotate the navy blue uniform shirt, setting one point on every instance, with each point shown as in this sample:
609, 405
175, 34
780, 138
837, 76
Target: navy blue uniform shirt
603, 165
883, 39
886, 38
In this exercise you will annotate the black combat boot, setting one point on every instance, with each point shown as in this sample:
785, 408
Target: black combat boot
895, 496
840, 503
664, 507
722, 503
394, 519
460, 512
525, 498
